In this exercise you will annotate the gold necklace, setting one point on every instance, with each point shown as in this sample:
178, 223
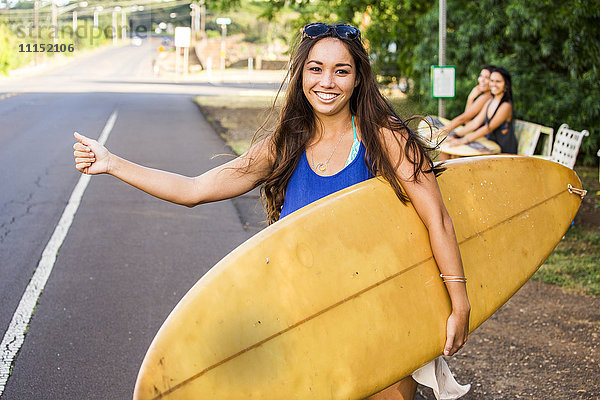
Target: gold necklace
322, 167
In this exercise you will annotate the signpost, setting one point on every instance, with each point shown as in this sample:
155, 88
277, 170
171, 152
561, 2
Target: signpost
442, 81
223, 22
183, 39
442, 50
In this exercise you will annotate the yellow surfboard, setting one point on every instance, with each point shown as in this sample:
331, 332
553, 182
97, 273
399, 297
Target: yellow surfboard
343, 297
430, 132
481, 146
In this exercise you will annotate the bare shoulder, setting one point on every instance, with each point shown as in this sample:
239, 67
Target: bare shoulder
479, 103
482, 99
506, 106
504, 111
393, 140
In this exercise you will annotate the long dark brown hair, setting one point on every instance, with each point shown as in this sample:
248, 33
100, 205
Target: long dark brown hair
297, 125
507, 96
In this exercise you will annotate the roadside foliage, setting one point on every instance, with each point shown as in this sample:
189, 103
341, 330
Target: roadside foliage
551, 48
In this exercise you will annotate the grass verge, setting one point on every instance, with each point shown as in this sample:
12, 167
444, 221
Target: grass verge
575, 263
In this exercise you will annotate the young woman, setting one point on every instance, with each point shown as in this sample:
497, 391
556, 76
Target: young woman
477, 98
335, 129
495, 121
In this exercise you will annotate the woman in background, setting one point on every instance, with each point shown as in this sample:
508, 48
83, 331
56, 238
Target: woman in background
495, 121
477, 98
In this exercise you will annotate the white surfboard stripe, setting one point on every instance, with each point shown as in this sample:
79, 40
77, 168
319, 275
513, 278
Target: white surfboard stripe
15, 335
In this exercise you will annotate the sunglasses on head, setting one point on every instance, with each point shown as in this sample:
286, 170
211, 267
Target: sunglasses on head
342, 31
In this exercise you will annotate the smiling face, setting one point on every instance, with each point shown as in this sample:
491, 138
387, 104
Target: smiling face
329, 77
497, 84
484, 80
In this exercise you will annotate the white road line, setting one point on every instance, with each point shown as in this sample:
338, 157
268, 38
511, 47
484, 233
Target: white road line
7, 95
15, 335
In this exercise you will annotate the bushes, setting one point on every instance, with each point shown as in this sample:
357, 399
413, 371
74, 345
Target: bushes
10, 58
12, 35
547, 47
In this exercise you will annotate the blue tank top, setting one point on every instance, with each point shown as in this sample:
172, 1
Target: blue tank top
306, 186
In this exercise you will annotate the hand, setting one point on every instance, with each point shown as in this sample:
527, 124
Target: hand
457, 331
456, 141
90, 156
474, 92
443, 131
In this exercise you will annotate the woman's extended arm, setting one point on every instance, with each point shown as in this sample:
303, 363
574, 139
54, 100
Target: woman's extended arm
477, 121
471, 111
504, 113
473, 94
228, 180
427, 200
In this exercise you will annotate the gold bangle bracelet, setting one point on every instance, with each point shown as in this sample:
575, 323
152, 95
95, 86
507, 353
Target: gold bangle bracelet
453, 278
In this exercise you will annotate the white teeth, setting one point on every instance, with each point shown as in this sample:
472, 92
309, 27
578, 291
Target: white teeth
326, 96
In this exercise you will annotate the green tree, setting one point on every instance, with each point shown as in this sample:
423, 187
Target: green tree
389, 27
10, 58
550, 47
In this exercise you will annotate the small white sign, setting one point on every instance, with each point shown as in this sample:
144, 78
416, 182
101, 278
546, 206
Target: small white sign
223, 21
442, 81
183, 36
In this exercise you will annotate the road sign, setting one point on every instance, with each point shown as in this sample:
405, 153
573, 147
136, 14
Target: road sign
442, 81
183, 36
223, 21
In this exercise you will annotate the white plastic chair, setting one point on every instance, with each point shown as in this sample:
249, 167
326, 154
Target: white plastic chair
566, 145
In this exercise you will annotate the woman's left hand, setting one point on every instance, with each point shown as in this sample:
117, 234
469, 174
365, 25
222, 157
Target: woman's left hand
456, 141
457, 331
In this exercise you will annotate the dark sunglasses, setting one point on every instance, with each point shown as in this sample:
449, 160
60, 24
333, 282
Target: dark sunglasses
342, 31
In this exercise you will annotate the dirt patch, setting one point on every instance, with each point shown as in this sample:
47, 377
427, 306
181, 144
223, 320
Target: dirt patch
542, 344
239, 124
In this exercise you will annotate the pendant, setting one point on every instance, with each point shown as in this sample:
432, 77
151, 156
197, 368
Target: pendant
321, 167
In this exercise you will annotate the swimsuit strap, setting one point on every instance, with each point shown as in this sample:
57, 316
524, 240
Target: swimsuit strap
355, 146
487, 120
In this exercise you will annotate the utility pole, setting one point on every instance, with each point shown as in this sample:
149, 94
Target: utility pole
123, 24
36, 28
114, 26
115, 32
193, 14
96, 11
223, 22
442, 52
202, 20
54, 23
223, 41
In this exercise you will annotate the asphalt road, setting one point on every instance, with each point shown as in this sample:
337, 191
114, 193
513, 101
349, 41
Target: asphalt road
128, 258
